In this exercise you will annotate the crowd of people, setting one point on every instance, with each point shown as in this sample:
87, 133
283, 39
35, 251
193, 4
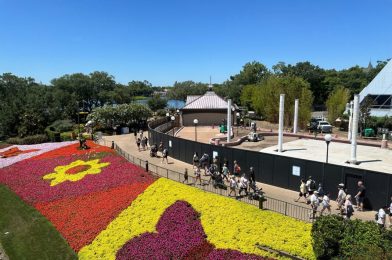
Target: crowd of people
244, 183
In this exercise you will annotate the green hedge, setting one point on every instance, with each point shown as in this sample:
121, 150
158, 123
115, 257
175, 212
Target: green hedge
33, 139
336, 238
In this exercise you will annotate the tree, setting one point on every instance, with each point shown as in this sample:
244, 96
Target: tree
156, 103
364, 112
336, 102
181, 90
266, 99
251, 73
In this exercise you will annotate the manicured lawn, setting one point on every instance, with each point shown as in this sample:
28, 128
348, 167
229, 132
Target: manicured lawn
25, 233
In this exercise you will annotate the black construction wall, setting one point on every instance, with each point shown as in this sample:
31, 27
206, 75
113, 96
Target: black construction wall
277, 169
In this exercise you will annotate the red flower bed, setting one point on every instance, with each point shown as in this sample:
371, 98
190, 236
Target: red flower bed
25, 178
14, 151
81, 219
73, 149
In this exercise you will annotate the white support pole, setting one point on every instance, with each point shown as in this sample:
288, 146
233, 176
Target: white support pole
350, 120
296, 116
281, 115
228, 120
354, 133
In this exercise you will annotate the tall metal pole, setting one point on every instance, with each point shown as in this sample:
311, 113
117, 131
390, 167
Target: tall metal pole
354, 133
281, 115
228, 120
195, 132
327, 151
350, 121
296, 116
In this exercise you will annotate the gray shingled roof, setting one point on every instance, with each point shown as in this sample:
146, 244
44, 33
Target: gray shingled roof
209, 100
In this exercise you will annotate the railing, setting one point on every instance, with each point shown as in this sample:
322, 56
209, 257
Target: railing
276, 205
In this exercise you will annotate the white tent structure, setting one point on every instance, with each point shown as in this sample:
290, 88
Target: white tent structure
380, 90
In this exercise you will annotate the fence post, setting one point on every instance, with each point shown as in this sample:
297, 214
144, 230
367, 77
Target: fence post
112, 145
285, 208
146, 166
261, 202
167, 173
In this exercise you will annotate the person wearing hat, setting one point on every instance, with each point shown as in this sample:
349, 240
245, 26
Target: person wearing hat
314, 203
341, 196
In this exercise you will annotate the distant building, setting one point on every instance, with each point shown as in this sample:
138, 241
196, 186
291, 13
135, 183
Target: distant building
380, 91
209, 109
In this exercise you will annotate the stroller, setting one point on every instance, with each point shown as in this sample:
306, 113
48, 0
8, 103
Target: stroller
217, 181
255, 192
154, 150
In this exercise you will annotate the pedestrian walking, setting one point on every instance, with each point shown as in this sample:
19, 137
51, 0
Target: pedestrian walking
160, 148
138, 141
141, 134
233, 187
341, 197
326, 204
195, 159
348, 207
225, 172
197, 174
237, 169
165, 154
310, 185
360, 197
243, 185
302, 191
185, 176
314, 204
135, 133
252, 176
143, 144
381, 217
145, 139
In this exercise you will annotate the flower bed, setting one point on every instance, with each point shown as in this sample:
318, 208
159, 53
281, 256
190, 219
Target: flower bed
228, 224
107, 208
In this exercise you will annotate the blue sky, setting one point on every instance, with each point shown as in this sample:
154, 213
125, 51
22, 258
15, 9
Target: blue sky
173, 40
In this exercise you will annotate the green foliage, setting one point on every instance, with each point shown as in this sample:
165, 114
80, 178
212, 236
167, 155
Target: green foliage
335, 238
32, 139
266, 99
336, 102
156, 102
62, 125
252, 73
181, 90
25, 233
123, 115
327, 231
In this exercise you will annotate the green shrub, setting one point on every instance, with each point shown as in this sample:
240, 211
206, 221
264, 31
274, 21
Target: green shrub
327, 232
335, 238
33, 139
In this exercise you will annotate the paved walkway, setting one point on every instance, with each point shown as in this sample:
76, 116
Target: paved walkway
128, 144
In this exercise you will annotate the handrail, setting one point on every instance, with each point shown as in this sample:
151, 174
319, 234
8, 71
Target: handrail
273, 204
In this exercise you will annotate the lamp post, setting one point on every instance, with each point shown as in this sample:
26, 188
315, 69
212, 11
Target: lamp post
195, 122
327, 139
238, 120
167, 117
172, 120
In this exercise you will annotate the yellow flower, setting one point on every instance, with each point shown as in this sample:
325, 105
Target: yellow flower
228, 224
80, 167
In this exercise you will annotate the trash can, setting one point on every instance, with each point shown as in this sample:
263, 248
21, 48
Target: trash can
369, 132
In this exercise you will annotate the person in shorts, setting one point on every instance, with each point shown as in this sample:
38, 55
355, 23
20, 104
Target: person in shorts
360, 197
233, 186
197, 174
237, 169
165, 154
195, 159
138, 142
341, 197
185, 176
225, 172
302, 191
325, 203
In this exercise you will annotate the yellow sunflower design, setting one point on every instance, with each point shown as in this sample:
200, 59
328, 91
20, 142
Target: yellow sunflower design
74, 171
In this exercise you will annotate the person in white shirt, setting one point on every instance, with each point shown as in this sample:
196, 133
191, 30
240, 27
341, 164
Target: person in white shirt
233, 186
243, 185
314, 203
326, 204
382, 216
341, 196
348, 207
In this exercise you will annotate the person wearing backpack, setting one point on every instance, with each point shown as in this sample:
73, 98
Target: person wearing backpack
311, 185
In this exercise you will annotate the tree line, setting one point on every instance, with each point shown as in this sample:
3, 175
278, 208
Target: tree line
27, 107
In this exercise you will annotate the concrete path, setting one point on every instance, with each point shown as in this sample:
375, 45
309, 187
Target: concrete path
128, 144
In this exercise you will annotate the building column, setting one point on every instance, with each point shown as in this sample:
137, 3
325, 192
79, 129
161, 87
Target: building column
281, 115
